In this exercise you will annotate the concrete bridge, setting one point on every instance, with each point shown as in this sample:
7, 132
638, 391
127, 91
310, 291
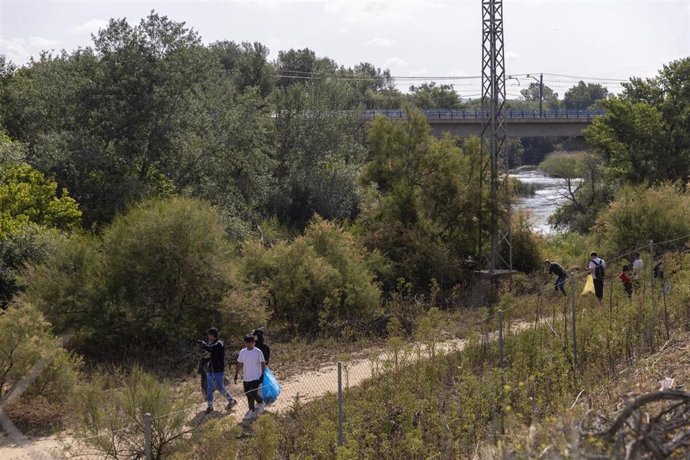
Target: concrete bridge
520, 123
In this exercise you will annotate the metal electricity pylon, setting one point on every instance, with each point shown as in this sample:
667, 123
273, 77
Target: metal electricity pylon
493, 141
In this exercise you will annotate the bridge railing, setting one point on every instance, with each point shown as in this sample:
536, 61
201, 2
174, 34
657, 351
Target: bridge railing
458, 114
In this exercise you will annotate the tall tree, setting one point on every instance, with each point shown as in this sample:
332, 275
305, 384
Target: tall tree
422, 202
246, 64
645, 134
319, 152
431, 96
584, 95
550, 98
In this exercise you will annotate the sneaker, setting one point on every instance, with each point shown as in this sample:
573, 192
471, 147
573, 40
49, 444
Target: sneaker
260, 408
251, 414
209, 409
232, 403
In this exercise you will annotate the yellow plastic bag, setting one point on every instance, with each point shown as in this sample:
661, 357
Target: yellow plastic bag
589, 286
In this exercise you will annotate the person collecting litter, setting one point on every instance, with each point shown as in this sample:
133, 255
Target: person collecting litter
252, 364
627, 282
215, 375
552, 268
597, 268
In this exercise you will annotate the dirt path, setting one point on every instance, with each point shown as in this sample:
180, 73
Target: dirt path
305, 386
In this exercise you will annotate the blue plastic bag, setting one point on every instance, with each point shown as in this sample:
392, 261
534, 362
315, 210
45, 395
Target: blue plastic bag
270, 388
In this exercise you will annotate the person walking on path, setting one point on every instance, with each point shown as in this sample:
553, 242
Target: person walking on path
637, 270
261, 344
552, 268
215, 375
252, 364
597, 268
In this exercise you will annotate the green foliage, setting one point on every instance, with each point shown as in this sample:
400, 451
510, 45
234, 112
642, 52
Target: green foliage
26, 340
549, 97
430, 96
584, 96
119, 411
423, 201
644, 134
30, 206
639, 215
214, 440
526, 247
28, 197
418, 405
565, 165
160, 274
631, 137
317, 280
586, 194
30, 244
318, 153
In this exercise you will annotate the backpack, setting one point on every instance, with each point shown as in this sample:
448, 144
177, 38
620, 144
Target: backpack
599, 272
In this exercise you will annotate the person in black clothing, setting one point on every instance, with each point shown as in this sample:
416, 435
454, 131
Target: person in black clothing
554, 269
261, 345
215, 374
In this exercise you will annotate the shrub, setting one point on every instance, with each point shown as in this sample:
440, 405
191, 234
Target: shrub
160, 274
319, 278
640, 214
25, 341
111, 419
526, 254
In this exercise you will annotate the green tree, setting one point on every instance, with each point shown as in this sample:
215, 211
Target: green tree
423, 201
319, 153
317, 281
27, 197
246, 64
644, 137
586, 193
30, 206
584, 95
549, 97
430, 96
632, 138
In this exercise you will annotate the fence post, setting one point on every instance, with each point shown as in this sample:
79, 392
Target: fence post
501, 349
147, 436
651, 269
340, 403
572, 302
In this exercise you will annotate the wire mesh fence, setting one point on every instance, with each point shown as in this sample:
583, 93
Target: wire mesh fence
564, 334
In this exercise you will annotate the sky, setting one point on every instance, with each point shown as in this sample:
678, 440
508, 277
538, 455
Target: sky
595, 39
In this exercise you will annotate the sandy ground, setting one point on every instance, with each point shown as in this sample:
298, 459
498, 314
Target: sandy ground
305, 386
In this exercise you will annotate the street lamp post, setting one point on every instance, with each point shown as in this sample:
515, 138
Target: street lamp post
541, 92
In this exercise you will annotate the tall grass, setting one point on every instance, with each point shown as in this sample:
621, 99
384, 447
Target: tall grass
442, 406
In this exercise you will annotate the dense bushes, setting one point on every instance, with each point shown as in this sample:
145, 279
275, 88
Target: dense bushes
160, 274
423, 202
316, 280
639, 215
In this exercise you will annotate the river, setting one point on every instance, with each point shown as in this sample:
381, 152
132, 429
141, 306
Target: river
548, 196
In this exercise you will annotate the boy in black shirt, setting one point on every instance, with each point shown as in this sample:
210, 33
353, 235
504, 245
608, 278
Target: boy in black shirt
215, 375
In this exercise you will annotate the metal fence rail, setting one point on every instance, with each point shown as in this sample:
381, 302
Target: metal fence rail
457, 114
